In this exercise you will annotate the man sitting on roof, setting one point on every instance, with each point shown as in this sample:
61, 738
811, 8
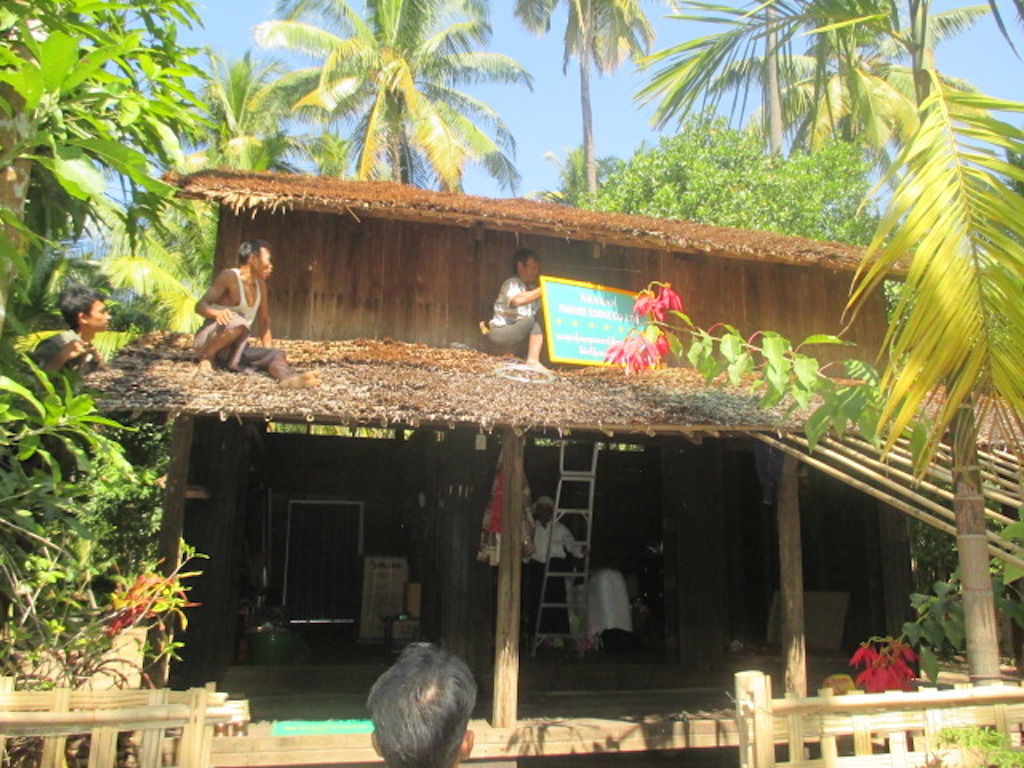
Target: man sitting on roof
86, 314
515, 325
420, 709
237, 297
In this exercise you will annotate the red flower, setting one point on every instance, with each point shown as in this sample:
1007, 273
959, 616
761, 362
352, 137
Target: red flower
637, 353
669, 299
886, 663
646, 304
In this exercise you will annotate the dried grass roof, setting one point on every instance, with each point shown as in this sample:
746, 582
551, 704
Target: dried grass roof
247, 191
369, 382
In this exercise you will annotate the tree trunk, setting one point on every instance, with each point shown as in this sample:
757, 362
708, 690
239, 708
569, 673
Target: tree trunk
773, 94
969, 506
921, 54
14, 178
586, 54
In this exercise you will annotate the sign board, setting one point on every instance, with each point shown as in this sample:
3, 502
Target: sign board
581, 320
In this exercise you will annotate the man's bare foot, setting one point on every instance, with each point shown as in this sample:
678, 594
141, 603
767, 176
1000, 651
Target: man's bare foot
204, 368
305, 380
536, 365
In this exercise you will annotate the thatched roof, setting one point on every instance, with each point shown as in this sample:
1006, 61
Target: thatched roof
367, 382
244, 191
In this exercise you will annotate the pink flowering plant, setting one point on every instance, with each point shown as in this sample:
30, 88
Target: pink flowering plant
765, 361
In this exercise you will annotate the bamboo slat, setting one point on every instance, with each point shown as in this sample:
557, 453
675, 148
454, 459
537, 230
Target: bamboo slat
53, 749
103, 747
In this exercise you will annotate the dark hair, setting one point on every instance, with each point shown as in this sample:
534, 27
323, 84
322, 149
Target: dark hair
75, 300
522, 256
250, 248
421, 706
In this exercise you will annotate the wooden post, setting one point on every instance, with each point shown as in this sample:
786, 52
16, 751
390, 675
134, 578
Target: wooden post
172, 523
506, 636
791, 581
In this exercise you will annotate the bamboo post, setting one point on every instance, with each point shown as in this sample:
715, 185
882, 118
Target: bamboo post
829, 746
103, 747
791, 590
755, 721
53, 747
150, 749
506, 636
6, 686
172, 524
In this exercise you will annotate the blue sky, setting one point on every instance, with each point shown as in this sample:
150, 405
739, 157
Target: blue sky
547, 119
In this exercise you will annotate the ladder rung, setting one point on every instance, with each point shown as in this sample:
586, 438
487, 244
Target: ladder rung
565, 573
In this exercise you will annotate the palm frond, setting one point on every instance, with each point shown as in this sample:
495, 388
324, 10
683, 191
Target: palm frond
955, 217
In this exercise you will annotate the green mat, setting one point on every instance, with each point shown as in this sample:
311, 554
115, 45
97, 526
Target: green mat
319, 727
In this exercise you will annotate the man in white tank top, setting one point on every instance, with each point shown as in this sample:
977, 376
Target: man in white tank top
238, 297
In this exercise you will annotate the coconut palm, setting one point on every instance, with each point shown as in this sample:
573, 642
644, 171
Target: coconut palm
396, 74
959, 321
246, 115
600, 34
854, 80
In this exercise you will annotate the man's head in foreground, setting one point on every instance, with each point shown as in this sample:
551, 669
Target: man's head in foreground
421, 708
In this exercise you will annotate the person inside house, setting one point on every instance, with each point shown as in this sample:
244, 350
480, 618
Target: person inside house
554, 544
420, 709
85, 312
238, 297
516, 326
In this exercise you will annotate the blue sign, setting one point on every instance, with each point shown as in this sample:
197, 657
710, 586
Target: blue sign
581, 320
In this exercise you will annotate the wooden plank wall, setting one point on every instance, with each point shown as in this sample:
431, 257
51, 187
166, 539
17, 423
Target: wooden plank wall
337, 277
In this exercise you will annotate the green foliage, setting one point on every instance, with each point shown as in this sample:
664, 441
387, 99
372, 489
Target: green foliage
123, 519
939, 629
994, 748
713, 174
74, 515
89, 91
572, 175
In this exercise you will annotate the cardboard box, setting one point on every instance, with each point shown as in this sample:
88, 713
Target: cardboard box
384, 580
413, 599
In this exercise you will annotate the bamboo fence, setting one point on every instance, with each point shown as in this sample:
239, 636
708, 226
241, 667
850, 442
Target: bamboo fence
142, 728
893, 729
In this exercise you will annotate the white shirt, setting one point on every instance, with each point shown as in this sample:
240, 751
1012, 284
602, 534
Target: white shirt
562, 542
504, 312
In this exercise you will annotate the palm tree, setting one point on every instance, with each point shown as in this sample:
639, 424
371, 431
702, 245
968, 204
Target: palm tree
247, 117
848, 83
396, 73
599, 33
959, 321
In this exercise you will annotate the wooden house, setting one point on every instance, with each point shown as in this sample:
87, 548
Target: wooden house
381, 287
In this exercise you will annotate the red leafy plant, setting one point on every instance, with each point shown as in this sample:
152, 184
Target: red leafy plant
149, 601
887, 664
647, 349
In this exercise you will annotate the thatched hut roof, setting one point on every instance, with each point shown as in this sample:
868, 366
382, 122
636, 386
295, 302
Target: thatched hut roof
389, 383
246, 191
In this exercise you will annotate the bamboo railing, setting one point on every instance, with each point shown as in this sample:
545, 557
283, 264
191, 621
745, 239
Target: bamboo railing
155, 727
893, 729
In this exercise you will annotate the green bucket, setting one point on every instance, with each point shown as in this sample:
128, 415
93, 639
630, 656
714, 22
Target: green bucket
271, 646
